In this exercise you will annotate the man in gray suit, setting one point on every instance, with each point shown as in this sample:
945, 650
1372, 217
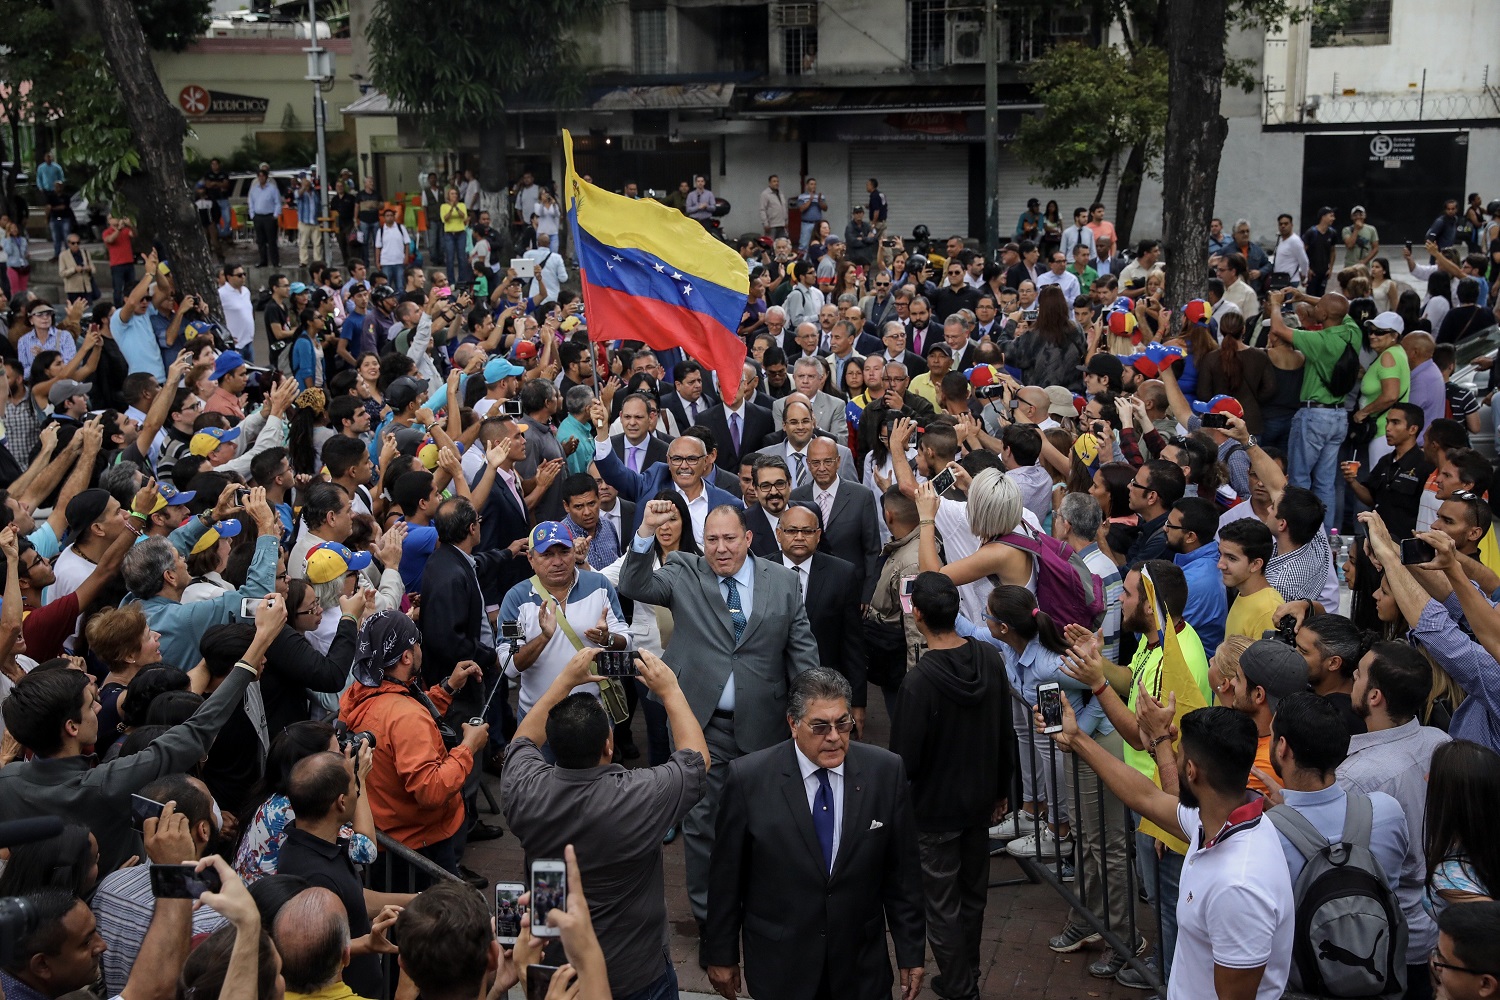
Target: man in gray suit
848, 512
809, 376
740, 636
798, 431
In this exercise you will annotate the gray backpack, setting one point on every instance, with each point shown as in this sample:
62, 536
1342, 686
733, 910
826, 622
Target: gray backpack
1350, 938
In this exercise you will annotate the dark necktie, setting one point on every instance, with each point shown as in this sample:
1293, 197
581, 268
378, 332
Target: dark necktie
823, 816
799, 473
736, 612
734, 431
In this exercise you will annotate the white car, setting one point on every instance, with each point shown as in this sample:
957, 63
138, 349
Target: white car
1480, 346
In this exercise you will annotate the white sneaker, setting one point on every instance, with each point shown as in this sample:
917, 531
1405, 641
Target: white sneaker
1045, 846
1018, 824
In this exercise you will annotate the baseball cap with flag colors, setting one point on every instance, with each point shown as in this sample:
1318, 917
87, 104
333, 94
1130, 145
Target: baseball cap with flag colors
1221, 404
329, 561
205, 442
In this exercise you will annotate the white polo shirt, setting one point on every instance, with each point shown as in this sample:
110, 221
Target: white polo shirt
1234, 906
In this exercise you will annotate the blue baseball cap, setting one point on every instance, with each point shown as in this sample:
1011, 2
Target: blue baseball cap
220, 530
228, 362
498, 368
298, 288
169, 496
549, 534
205, 442
329, 561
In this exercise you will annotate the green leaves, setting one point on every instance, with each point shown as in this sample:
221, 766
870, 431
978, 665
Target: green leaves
490, 53
1098, 103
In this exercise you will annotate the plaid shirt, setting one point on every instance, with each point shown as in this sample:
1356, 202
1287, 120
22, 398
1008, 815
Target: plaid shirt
1300, 575
22, 426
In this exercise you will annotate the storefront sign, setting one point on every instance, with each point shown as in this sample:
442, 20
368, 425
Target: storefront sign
201, 104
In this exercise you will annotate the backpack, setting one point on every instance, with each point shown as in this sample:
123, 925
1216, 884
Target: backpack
1065, 586
1350, 937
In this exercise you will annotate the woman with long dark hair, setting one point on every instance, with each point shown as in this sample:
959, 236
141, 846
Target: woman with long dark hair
1050, 238
265, 826
1463, 813
1438, 301
1111, 487
1051, 350
1236, 370
308, 430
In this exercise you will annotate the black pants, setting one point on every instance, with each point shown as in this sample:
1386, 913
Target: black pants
265, 240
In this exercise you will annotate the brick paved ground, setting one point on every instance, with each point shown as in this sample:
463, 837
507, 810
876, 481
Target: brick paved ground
1018, 921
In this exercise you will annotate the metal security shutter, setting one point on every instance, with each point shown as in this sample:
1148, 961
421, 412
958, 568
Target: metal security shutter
926, 184
1016, 188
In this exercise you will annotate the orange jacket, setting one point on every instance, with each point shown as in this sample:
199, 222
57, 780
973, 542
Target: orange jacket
415, 782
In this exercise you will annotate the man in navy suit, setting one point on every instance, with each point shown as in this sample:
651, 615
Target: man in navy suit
686, 466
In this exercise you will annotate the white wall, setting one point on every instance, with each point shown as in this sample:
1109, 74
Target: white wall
1484, 163
860, 36
751, 159
1452, 39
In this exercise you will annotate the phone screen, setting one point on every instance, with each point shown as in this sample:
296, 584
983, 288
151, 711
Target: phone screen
1049, 703
1414, 552
142, 809
549, 891
182, 882
616, 663
943, 481
539, 980
248, 605
508, 911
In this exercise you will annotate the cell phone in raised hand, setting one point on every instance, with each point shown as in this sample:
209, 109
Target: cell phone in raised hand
549, 891
1049, 703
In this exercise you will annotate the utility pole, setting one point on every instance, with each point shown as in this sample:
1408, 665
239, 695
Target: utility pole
320, 74
991, 133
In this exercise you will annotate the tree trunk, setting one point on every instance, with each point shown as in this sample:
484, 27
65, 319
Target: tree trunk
1195, 134
1128, 195
164, 201
1103, 180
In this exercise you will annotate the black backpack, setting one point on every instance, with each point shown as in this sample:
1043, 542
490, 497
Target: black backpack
1344, 374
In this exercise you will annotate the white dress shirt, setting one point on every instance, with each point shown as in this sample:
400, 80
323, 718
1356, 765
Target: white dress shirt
835, 783
791, 464
802, 569
697, 511
825, 498
1067, 281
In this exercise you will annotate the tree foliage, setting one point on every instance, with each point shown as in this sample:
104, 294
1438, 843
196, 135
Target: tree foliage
1098, 103
456, 64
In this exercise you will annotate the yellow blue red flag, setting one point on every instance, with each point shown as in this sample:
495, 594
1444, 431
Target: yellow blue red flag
652, 274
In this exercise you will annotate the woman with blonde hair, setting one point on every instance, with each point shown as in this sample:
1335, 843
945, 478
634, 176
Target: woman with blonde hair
122, 639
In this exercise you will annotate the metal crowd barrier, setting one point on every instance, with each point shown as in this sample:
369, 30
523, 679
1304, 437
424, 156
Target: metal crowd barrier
400, 869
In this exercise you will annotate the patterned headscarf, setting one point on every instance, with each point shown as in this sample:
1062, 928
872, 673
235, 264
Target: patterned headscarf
312, 399
384, 638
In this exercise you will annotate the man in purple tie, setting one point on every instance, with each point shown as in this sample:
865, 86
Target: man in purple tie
636, 446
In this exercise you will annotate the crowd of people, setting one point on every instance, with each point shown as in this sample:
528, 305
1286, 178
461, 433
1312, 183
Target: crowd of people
300, 610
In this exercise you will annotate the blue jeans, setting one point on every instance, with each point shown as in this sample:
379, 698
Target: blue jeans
367, 243
59, 228
664, 988
1313, 458
455, 260
396, 275
806, 234
1167, 868
1275, 432
122, 276
226, 215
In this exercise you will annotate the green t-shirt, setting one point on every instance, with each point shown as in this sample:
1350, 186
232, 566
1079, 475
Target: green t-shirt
1366, 238
1145, 668
1322, 349
1086, 279
1369, 388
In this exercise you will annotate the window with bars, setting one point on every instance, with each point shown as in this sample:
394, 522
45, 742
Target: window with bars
1352, 22
799, 36
648, 40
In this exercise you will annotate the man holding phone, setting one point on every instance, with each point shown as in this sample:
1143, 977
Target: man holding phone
614, 817
1394, 487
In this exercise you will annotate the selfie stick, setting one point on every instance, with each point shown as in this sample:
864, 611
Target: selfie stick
478, 720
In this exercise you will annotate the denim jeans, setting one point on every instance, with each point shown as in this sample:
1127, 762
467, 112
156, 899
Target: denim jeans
664, 988
59, 228
122, 277
367, 243
226, 217
396, 274
1275, 432
455, 260
1313, 459
1167, 868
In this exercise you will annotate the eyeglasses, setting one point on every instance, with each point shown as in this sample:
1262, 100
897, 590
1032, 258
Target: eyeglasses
776, 485
797, 532
241, 274
882, 284
1138, 486
823, 727
1433, 965
1169, 526
684, 459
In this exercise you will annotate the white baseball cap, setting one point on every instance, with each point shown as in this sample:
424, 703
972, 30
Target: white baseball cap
1389, 322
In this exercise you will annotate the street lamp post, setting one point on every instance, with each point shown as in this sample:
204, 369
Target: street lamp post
320, 74
991, 133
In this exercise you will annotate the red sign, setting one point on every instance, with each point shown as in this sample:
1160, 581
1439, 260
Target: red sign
194, 100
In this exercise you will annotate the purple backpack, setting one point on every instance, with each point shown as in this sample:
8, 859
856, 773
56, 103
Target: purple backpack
1065, 586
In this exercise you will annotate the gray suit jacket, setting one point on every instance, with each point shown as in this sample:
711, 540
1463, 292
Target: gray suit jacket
828, 414
777, 644
847, 469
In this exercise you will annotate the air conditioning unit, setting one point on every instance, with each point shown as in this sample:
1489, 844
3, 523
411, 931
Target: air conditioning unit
1072, 23
965, 40
794, 15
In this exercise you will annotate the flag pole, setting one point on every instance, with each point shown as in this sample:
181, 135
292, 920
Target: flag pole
573, 190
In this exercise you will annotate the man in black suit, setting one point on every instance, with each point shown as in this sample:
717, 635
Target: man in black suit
506, 515
636, 446
815, 855
849, 528
739, 427
831, 591
920, 328
455, 625
689, 401
894, 339
773, 483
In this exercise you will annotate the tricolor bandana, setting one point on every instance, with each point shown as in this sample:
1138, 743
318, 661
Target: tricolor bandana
1123, 324
384, 638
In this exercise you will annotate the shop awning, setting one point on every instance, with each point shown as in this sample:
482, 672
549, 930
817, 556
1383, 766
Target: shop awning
659, 97
775, 102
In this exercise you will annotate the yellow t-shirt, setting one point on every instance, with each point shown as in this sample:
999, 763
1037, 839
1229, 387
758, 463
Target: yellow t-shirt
1251, 615
1262, 763
922, 386
455, 217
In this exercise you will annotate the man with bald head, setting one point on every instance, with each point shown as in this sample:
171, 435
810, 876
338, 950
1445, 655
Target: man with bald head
1429, 389
799, 429
1320, 424
1033, 407
312, 936
807, 340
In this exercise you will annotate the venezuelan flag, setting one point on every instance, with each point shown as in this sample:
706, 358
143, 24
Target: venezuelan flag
1175, 678
652, 274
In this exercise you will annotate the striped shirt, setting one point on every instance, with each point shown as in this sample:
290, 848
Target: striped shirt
1108, 573
123, 906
